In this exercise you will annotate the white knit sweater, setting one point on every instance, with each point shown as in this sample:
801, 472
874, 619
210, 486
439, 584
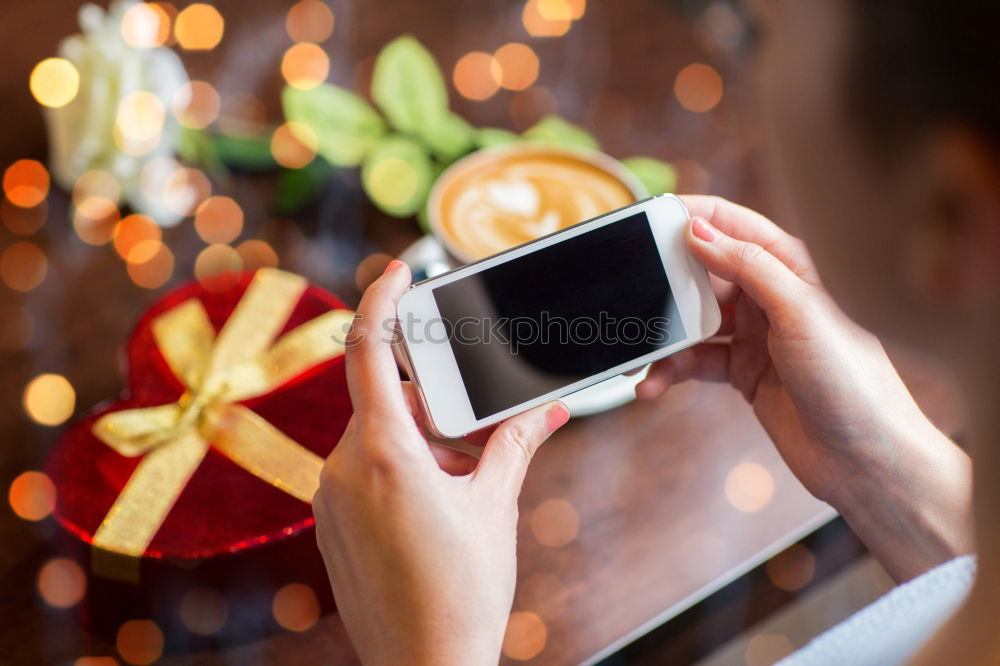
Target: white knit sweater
891, 630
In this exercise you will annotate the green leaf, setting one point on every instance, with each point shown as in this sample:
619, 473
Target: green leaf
553, 129
346, 126
494, 136
246, 153
656, 175
407, 85
198, 147
190, 144
297, 188
397, 175
451, 138
423, 220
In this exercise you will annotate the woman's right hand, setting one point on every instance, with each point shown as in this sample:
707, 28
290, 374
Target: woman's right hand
822, 386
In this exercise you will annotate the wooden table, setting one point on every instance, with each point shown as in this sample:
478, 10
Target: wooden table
646, 509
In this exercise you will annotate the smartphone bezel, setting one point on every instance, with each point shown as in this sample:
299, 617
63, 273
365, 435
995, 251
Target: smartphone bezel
433, 367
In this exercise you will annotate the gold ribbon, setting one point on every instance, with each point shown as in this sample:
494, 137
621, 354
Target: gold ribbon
217, 372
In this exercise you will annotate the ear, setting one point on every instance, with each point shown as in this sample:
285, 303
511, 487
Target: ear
952, 250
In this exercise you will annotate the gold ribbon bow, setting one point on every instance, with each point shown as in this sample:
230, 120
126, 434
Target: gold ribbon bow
217, 372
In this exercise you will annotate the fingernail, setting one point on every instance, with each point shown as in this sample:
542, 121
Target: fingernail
393, 265
702, 230
556, 417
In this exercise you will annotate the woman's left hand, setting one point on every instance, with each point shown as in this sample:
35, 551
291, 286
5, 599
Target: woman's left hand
418, 539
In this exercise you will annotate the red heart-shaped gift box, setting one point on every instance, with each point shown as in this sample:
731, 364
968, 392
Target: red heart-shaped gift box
229, 531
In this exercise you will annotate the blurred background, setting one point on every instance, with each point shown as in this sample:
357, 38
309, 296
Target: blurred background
146, 145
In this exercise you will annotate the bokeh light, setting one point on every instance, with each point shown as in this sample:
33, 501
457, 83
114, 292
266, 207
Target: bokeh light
529, 105
218, 220
692, 177
559, 10
23, 266
525, 637
257, 254
96, 183
242, 113
305, 65
32, 495
544, 594
95, 219
171, 13
61, 583
476, 75
146, 25
518, 66
196, 104
18, 326
133, 230
309, 21
95, 213
577, 8
294, 145
156, 268
139, 122
392, 181
370, 268
204, 611
546, 18
792, 569
698, 87
49, 399
555, 523
26, 183
54, 82
217, 267
199, 27
143, 251
749, 487
766, 649
23, 221
184, 189
295, 607
139, 642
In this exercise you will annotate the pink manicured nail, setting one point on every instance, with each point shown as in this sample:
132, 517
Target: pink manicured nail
393, 265
556, 417
702, 230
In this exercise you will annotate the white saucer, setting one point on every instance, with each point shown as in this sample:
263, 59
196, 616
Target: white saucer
428, 258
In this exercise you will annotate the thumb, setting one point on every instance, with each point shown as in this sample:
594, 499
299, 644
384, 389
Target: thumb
761, 275
513, 444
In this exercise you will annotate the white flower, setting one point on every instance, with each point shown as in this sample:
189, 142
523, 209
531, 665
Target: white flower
120, 120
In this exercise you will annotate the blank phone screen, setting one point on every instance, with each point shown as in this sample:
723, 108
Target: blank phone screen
559, 315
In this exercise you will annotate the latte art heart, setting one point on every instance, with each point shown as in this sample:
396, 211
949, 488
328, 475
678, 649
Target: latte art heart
518, 197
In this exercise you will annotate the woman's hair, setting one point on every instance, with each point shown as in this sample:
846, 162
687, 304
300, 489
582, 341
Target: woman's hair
914, 65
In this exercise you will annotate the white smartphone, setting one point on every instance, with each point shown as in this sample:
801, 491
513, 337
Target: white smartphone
539, 321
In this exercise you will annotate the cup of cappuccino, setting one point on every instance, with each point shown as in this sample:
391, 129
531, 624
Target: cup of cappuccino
496, 198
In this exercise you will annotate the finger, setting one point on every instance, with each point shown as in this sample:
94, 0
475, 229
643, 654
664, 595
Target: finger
707, 362
747, 225
412, 400
476, 437
725, 291
513, 444
635, 371
372, 374
766, 280
451, 461
728, 324
482, 436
